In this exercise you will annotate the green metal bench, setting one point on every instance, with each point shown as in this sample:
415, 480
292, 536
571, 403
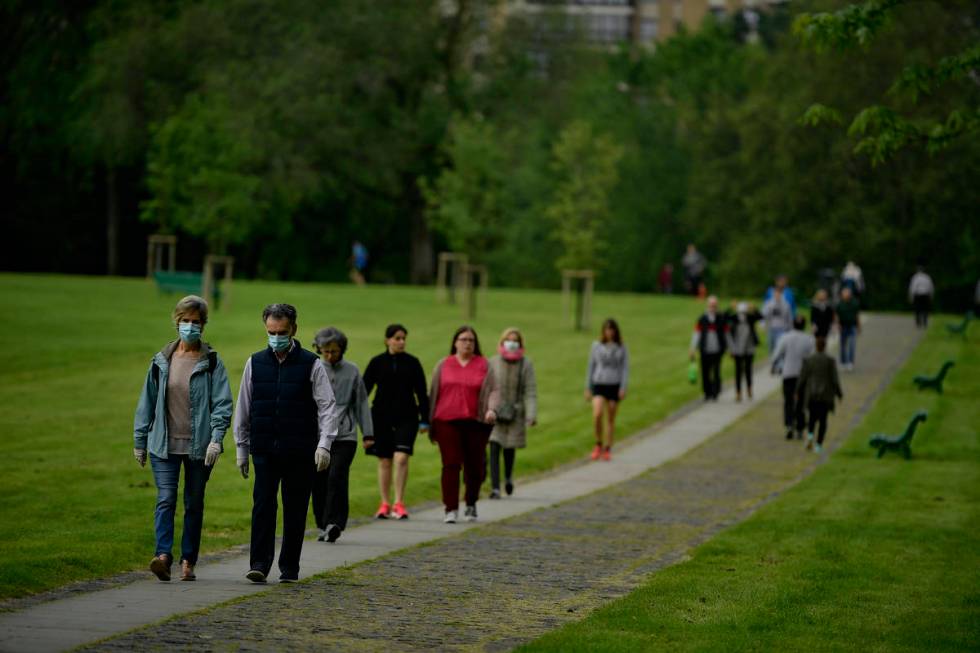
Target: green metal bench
934, 382
901, 443
187, 283
962, 326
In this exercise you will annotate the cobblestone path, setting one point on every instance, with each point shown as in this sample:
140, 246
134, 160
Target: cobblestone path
495, 587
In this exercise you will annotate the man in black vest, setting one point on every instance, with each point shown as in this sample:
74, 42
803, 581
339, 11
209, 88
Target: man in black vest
709, 339
285, 419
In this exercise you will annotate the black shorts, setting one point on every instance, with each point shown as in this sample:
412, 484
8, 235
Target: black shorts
608, 390
389, 438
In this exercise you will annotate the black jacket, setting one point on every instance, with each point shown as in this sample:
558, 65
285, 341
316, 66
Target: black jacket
402, 392
284, 413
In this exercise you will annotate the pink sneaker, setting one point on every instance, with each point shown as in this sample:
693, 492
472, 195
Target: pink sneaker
383, 510
596, 452
398, 511
607, 455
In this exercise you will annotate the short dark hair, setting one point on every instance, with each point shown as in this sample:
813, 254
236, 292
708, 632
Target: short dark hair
476, 339
280, 311
821, 343
799, 322
392, 329
610, 323
330, 334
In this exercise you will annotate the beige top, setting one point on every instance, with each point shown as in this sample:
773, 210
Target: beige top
179, 428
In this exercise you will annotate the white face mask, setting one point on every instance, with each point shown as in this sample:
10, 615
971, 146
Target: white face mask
511, 345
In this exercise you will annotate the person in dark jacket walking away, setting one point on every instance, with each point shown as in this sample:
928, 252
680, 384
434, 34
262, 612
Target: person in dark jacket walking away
788, 359
849, 323
742, 342
818, 386
399, 413
285, 419
710, 338
331, 503
822, 314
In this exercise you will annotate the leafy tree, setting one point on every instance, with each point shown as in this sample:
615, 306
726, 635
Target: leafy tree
883, 130
585, 166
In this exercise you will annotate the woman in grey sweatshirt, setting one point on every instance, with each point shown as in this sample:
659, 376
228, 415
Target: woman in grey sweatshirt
605, 385
330, 487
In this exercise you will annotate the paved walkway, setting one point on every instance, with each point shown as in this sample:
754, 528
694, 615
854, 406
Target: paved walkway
558, 548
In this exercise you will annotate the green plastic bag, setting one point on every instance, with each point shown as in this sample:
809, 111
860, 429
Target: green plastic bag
692, 372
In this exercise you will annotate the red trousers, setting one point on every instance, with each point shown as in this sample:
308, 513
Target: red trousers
463, 444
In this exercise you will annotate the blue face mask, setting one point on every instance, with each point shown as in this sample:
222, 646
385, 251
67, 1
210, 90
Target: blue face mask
279, 343
189, 332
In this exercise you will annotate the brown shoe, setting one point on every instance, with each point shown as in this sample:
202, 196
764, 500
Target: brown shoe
187, 571
160, 566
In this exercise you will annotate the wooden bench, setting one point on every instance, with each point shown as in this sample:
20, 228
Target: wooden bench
934, 382
903, 442
961, 327
187, 283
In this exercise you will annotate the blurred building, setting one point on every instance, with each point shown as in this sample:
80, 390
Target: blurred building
643, 21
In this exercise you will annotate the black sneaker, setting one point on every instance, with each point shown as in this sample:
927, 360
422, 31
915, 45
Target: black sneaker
256, 576
470, 513
789, 434
509, 487
288, 578
495, 493
333, 532
322, 536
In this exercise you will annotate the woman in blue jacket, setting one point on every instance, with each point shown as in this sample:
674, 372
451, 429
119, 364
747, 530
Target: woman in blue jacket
181, 419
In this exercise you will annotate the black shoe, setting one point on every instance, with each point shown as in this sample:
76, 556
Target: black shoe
470, 513
495, 493
333, 532
256, 575
509, 487
288, 578
789, 434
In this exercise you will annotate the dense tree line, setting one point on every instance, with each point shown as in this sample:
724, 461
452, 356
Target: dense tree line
280, 132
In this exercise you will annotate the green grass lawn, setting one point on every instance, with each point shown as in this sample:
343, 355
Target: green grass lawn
74, 504
866, 554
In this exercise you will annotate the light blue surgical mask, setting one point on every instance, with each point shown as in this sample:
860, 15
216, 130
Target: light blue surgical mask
279, 343
189, 332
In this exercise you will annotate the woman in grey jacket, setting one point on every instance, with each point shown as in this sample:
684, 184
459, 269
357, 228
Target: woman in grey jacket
605, 385
331, 502
183, 412
518, 408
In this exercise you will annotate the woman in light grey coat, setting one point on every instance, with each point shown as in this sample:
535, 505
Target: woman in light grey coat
518, 409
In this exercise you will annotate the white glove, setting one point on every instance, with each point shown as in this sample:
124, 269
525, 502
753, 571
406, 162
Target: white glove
140, 456
211, 455
243, 466
322, 459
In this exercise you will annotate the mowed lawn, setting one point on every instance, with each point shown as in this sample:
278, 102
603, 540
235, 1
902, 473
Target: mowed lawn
75, 505
866, 554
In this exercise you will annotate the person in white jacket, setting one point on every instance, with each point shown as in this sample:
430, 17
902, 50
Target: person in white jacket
921, 292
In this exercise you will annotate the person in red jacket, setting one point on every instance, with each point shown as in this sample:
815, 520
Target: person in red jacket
464, 400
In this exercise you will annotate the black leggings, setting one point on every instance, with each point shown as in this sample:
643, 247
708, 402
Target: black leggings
793, 416
495, 450
818, 414
330, 487
743, 367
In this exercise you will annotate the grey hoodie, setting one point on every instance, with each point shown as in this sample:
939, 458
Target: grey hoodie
352, 407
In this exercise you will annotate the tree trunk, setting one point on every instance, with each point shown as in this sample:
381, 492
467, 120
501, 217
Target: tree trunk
112, 224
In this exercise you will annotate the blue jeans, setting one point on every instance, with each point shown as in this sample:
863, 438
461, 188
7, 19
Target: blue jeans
774, 335
848, 338
166, 473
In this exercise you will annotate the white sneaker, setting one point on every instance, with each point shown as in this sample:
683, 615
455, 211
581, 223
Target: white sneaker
450, 517
817, 448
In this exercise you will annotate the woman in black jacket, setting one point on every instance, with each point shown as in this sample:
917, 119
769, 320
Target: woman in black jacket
400, 410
